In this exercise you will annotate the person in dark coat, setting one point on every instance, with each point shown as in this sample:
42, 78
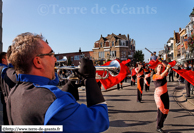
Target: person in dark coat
187, 84
3, 63
36, 101
171, 78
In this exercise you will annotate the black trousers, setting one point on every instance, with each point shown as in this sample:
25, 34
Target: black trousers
160, 116
187, 86
171, 77
133, 83
5, 119
146, 86
118, 86
139, 94
160, 119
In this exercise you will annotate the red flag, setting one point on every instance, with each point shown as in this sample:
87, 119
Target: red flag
186, 74
172, 63
133, 72
111, 81
126, 61
154, 64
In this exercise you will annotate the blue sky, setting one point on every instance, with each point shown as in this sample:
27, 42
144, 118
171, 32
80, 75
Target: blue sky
71, 24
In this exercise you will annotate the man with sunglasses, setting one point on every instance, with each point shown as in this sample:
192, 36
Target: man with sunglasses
33, 101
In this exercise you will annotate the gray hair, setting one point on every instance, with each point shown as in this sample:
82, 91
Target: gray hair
23, 50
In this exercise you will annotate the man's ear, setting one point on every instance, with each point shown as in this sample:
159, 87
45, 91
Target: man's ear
37, 62
4, 60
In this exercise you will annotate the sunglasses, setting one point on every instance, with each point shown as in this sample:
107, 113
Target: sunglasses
52, 53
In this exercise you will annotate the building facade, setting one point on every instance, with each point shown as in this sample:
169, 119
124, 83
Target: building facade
177, 47
181, 49
175, 44
170, 53
189, 31
113, 47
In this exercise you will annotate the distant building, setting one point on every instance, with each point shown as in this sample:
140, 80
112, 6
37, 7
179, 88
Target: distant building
113, 47
189, 31
75, 57
170, 52
181, 46
162, 53
175, 44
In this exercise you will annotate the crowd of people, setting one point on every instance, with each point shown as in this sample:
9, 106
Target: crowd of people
30, 95
158, 76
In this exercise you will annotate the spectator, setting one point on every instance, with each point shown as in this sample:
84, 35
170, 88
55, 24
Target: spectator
153, 57
181, 79
171, 75
187, 84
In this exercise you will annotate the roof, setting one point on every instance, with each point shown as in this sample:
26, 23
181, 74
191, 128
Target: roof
170, 39
192, 13
109, 36
177, 35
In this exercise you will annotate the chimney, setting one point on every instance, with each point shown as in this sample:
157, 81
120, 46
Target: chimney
119, 34
101, 35
179, 29
79, 50
128, 36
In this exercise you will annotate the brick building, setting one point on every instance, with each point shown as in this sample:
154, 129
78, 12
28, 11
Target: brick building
74, 57
113, 47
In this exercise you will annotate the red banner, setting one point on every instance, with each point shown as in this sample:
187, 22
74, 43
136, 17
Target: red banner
111, 81
154, 64
186, 74
133, 72
126, 61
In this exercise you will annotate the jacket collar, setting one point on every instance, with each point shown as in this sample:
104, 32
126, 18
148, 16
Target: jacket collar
1, 64
33, 79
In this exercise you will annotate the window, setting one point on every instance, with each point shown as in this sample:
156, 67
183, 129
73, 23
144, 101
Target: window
71, 58
124, 54
57, 57
82, 55
112, 43
108, 44
112, 54
101, 55
76, 57
181, 40
100, 44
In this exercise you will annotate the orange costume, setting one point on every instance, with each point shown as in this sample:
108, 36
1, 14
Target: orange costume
133, 77
161, 98
140, 82
147, 79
